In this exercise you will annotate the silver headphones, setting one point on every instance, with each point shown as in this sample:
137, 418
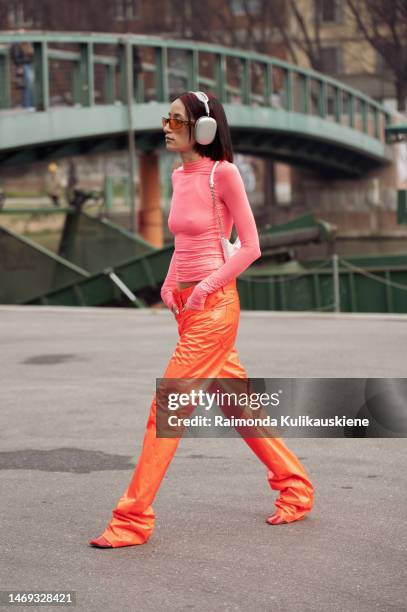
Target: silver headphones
205, 126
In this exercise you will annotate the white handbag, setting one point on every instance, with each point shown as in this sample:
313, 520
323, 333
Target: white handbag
229, 248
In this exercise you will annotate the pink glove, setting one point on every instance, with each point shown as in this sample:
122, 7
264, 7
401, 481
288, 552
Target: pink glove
169, 284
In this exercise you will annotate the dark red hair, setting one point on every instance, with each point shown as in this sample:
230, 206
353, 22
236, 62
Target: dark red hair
221, 148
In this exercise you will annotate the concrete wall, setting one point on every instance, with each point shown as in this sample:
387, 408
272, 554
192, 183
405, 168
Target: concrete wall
360, 208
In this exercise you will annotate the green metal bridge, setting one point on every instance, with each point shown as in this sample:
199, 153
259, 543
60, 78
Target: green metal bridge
91, 89
91, 92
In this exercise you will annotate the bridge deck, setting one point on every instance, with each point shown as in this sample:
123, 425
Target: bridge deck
274, 108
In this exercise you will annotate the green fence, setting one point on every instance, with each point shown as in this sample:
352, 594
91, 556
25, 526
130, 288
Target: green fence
366, 284
94, 258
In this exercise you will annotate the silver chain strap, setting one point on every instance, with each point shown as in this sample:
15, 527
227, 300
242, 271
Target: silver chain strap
216, 208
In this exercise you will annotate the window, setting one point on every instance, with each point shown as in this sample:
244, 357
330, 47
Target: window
238, 7
381, 65
19, 16
331, 58
330, 10
126, 9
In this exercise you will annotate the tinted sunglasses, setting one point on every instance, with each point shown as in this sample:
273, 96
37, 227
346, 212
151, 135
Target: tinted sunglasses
175, 123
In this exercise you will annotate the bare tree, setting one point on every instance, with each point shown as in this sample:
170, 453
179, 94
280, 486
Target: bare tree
50, 15
217, 21
3, 15
300, 33
384, 25
76, 15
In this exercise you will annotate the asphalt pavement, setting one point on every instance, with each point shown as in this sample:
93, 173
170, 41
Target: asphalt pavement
76, 389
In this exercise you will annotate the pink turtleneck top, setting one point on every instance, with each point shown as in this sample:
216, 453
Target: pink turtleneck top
192, 220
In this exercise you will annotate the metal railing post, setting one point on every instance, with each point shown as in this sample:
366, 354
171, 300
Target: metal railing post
193, 69
110, 85
365, 115
351, 110
322, 98
130, 134
267, 80
41, 76
220, 77
288, 89
306, 95
338, 105
5, 81
161, 74
246, 81
335, 271
86, 76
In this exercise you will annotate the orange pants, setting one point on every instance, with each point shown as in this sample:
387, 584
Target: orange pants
205, 349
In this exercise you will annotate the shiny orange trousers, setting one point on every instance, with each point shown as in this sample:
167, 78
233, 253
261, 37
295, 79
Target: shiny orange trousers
205, 349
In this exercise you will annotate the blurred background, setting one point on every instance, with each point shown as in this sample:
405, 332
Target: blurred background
315, 92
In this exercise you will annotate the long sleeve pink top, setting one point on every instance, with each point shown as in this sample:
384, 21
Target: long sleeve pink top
192, 220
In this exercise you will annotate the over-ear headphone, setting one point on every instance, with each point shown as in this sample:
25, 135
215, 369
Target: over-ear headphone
205, 126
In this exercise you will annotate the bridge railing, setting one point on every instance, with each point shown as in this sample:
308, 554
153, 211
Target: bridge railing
85, 70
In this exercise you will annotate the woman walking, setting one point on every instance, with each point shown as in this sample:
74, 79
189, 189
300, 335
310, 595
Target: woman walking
200, 290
